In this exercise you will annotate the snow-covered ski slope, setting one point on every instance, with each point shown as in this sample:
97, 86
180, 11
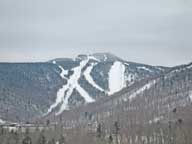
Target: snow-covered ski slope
117, 77
116, 73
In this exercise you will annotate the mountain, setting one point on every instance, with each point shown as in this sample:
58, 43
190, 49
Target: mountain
166, 98
30, 90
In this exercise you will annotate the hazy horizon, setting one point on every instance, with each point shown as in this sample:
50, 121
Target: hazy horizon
155, 32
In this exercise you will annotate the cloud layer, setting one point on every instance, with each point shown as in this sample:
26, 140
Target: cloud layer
148, 31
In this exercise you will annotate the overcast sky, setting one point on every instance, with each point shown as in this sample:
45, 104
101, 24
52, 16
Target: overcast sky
157, 32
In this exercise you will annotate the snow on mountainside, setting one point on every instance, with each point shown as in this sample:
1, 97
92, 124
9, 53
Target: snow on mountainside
86, 79
146, 101
117, 77
65, 92
64, 83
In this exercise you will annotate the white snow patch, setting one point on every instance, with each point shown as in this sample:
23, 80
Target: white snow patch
63, 72
144, 68
65, 92
126, 64
65, 98
88, 77
93, 58
116, 77
60, 92
59, 99
54, 62
145, 87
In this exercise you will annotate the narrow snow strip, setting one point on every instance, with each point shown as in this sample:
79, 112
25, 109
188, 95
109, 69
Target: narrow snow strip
144, 68
60, 92
84, 94
93, 58
116, 77
88, 77
139, 91
65, 99
59, 99
126, 64
63, 72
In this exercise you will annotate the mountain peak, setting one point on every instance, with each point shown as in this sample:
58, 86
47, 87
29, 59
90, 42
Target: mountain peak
106, 56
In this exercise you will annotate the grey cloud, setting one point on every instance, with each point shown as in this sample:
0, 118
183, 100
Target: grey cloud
148, 31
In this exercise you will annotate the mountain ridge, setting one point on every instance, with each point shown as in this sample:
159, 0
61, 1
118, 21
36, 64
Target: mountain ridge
68, 82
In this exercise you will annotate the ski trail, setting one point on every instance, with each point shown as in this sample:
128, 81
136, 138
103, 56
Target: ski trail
65, 92
116, 77
73, 84
88, 77
61, 91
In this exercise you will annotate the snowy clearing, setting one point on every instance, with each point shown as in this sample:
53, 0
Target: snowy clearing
116, 77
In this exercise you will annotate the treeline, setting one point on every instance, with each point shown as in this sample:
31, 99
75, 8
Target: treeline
176, 132
39, 136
